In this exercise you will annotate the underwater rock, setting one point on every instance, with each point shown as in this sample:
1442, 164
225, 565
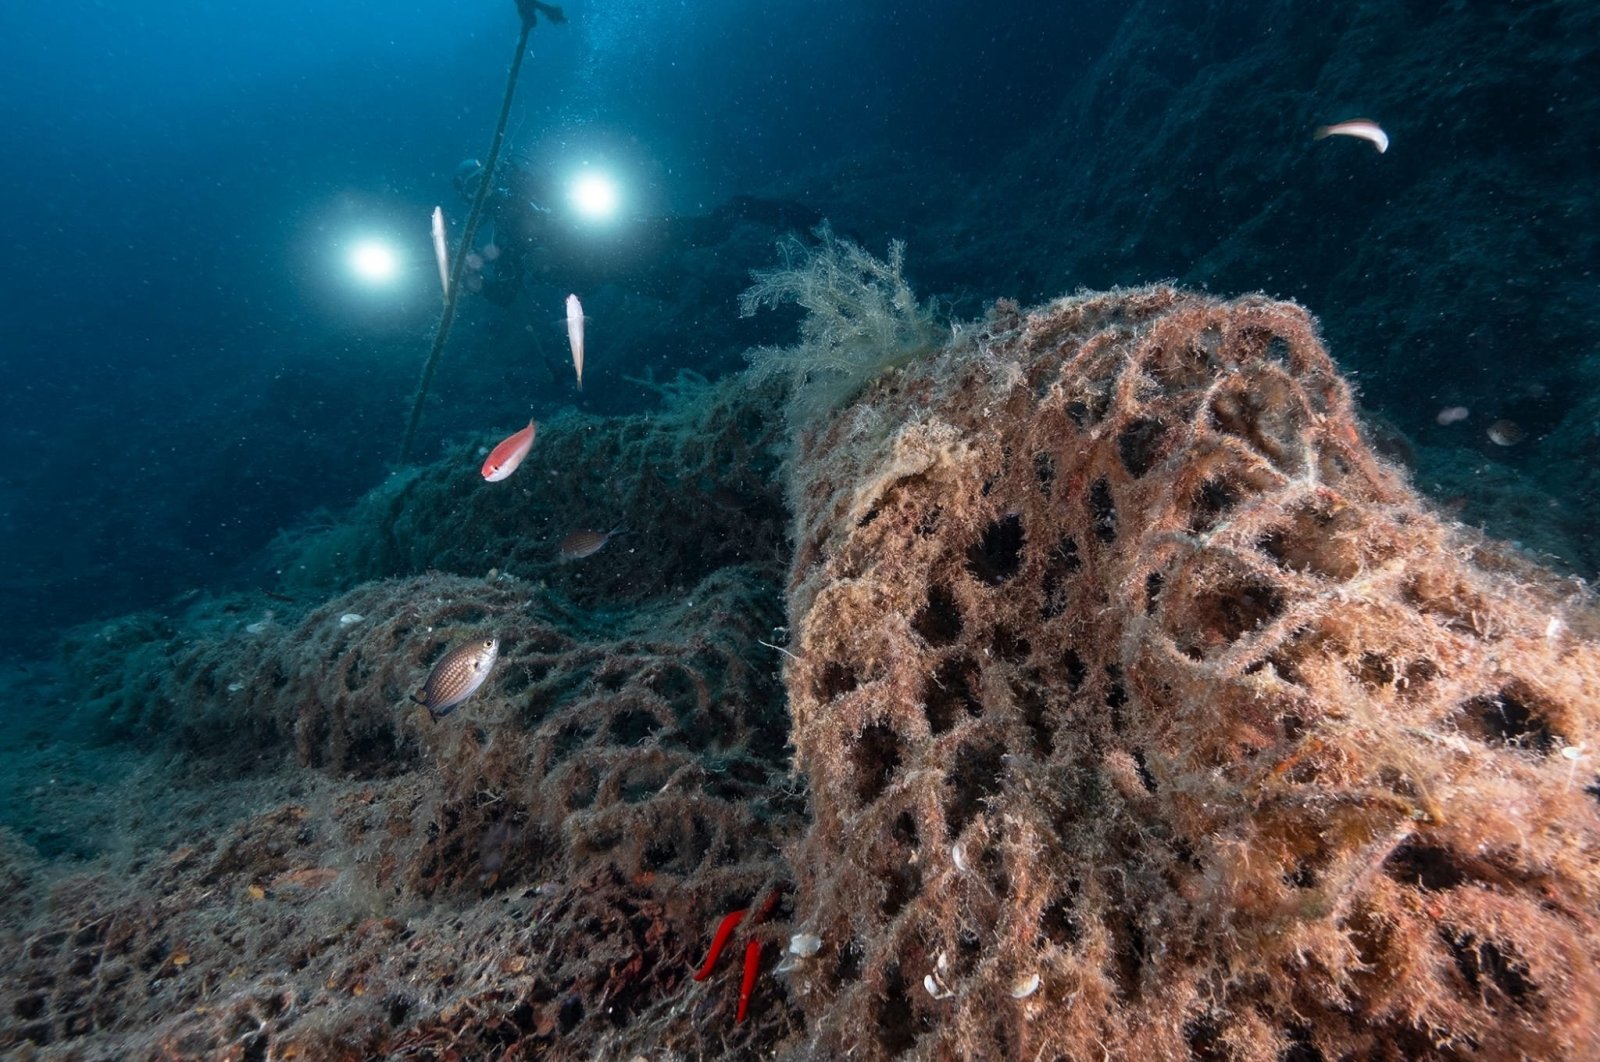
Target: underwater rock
1126, 673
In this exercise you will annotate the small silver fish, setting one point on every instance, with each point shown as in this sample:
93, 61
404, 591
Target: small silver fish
575, 335
457, 676
1360, 128
581, 544
440, 254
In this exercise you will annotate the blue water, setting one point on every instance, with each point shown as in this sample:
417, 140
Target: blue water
190, 365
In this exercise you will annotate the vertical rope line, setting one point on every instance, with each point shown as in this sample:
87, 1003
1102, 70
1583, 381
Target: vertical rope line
485, 182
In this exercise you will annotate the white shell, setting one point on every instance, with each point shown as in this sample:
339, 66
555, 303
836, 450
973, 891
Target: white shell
349, 618
1023, 987
805, 944
935, 989
257, 627
235, 687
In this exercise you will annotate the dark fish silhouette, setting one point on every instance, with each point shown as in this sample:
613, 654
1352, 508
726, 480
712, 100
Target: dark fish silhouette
1506, 433
581, 544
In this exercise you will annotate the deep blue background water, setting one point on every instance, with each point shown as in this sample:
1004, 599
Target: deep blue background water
189, 367
181, 177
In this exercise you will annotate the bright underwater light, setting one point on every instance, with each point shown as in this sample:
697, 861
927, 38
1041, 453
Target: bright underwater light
374, 261
594, 195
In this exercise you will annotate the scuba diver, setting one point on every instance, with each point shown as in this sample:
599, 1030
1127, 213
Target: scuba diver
514, 224
526, 240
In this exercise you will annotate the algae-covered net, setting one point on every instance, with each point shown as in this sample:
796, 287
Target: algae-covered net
540, 871
1147, 713
1131, 706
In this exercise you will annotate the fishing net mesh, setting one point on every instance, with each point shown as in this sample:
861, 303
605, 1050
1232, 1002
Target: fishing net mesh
1134, 708
1147, 715
538, 873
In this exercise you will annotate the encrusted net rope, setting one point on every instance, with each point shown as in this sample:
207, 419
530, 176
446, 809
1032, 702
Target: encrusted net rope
1145, 711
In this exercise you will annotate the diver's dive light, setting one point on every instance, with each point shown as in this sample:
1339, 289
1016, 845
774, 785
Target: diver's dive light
594, 196
374, 261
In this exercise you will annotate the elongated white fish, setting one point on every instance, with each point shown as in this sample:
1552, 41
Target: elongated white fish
575, 335
1362, 128
439, 253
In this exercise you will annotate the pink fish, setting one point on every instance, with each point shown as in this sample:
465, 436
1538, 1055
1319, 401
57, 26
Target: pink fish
575, 335
504, 459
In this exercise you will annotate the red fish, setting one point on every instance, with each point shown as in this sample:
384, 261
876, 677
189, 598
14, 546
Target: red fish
504, 459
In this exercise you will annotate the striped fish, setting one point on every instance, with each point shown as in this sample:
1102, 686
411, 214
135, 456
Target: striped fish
581, 544
457, 676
